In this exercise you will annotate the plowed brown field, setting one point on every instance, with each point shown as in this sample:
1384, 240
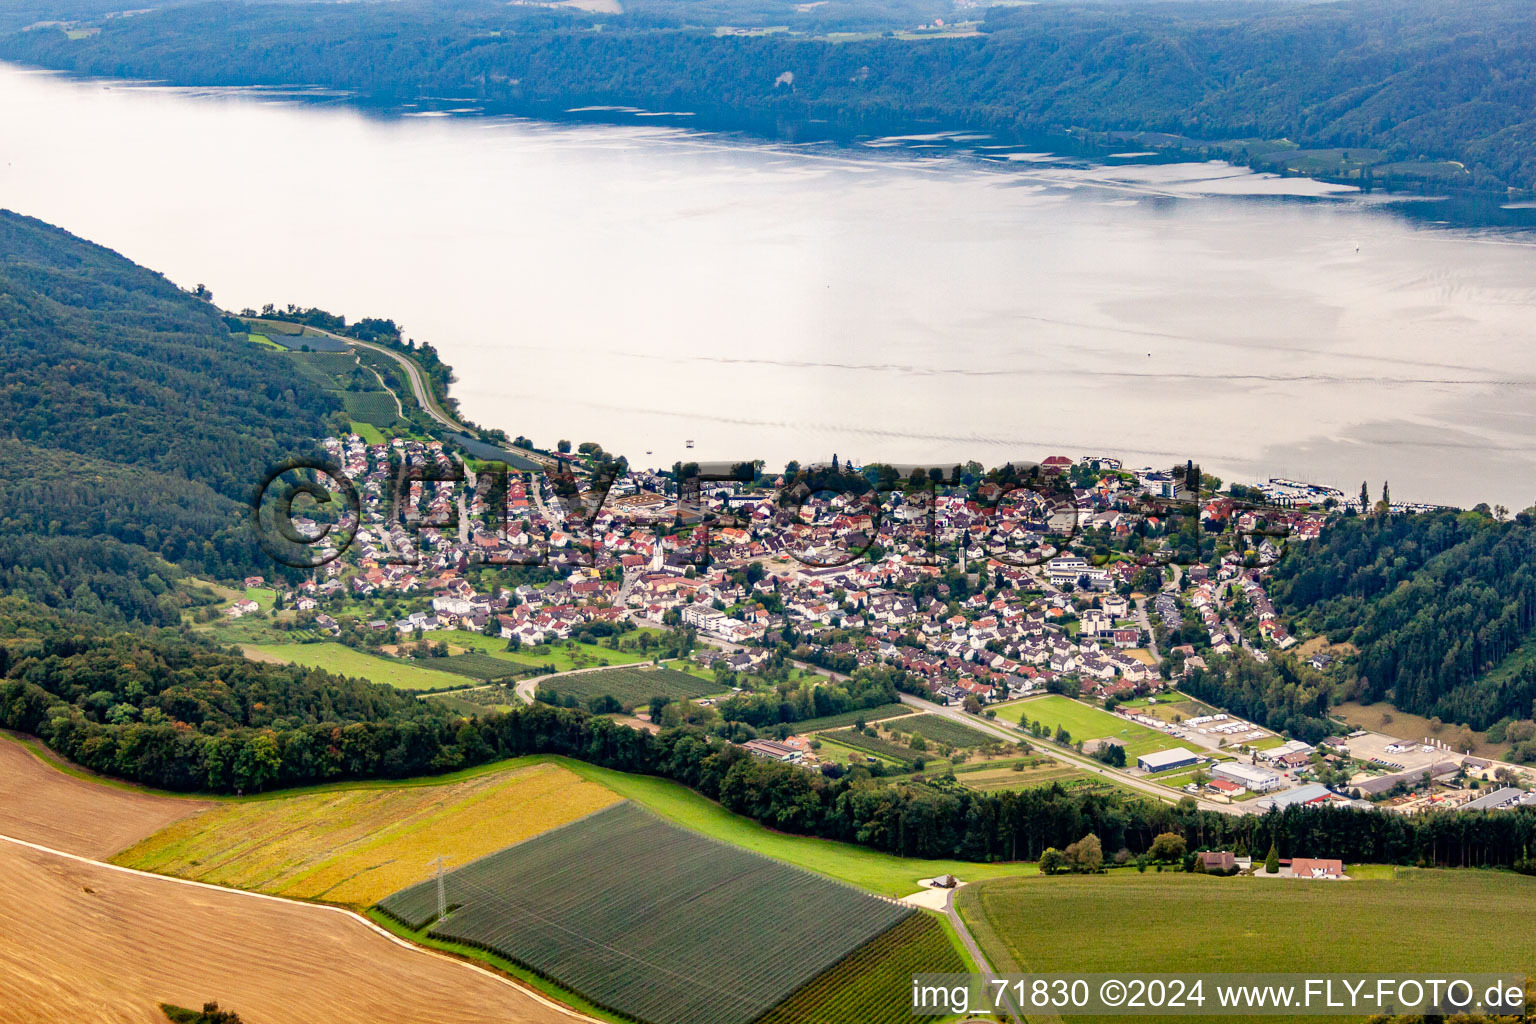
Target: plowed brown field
86, 942
43, 805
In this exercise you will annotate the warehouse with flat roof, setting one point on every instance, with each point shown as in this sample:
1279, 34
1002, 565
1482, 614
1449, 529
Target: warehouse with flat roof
1249, 776
1164, 760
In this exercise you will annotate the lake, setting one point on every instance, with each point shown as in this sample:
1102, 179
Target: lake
921, 299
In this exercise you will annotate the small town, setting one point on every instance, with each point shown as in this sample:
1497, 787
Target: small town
1055, 637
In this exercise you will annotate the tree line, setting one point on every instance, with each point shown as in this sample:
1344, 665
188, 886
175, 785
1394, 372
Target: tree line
166, 710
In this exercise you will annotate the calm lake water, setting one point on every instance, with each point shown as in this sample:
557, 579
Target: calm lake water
641, 285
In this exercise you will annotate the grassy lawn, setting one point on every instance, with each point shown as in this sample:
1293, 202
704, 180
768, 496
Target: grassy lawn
1086, 723
1190, 923
367, 431
344, 660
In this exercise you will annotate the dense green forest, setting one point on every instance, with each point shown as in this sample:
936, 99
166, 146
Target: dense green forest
125, 458
1370, 90
1433, 602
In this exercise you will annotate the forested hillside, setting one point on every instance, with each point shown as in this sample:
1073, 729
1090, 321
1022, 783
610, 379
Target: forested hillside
1434, 603
121, 445
167, 709
1370, 90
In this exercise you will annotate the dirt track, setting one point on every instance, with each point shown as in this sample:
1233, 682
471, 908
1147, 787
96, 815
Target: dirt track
86, 942
42, 805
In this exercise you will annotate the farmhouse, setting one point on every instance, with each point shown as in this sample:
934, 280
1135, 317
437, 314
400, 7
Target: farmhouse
1218, 860
1163, 760
1307, 867
772, 751
1249, 776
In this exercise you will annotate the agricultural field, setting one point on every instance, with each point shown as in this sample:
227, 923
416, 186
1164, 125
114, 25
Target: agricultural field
1087, 723
461, 702
631, 687
475, 665
295, 336
872, 985
375, 407
102, 944
564, 656
334, 657
877, 745
355, 846
943, 730
652, 921
1026, 773
870, 870
1320, 926
40, 802
847, 718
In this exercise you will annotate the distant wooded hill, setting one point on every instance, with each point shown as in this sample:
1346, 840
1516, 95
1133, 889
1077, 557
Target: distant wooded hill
1376, 91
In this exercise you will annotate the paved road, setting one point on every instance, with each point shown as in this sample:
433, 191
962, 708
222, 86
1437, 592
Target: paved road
417, 379
418, 385
983, 967
1078, 761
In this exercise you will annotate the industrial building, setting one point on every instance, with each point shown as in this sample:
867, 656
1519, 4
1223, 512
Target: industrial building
1165, 760
1250, 776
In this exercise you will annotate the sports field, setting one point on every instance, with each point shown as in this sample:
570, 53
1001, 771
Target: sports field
651, 920
1086, 723
97, 944
1461, 920
356, 846
345, 661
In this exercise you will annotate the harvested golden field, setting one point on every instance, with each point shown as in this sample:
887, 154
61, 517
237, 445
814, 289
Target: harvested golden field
356, 846
103, 945
41, 804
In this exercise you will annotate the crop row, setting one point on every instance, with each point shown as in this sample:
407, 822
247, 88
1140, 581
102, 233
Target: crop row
943, 730
873, 985
848, 718
632, 686
651, 920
